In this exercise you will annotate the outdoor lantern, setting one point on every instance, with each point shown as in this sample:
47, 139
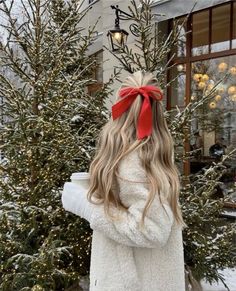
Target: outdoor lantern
117, 38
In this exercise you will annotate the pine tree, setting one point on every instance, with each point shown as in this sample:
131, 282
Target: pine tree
44, 73
208, 239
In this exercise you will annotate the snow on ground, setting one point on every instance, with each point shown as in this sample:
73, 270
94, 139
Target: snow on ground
230, 280
229, 275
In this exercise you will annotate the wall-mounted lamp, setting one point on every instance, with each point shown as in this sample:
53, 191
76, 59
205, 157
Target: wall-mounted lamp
117, 36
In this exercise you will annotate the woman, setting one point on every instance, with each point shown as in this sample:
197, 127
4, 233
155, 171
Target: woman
132, 203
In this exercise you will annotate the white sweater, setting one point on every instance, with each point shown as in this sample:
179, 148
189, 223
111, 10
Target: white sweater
127, 258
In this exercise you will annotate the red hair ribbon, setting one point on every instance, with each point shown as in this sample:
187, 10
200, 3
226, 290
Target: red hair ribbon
145, 115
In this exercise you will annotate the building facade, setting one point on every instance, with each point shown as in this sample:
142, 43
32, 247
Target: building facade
205, 58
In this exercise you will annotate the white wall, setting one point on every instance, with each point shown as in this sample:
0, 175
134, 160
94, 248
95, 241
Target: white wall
92, 17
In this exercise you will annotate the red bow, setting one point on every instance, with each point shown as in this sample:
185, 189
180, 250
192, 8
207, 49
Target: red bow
145, 115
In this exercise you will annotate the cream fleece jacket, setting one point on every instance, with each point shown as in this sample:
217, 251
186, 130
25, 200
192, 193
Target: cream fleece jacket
124, 256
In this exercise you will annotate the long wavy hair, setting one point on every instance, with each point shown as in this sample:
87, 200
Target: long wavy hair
118, 138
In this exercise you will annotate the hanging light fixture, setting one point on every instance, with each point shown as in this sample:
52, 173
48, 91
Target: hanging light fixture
117, 36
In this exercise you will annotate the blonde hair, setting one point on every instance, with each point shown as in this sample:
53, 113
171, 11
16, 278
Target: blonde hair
118, 138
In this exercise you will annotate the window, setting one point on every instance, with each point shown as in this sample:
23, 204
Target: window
211, 29
97, 73
234, 26
220, 34
215, 120
181, 26
177, 89
203, 57
200, 33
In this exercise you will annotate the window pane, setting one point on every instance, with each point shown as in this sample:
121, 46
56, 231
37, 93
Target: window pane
181, 44
200, 33
177, 98
99, 67
180, 27
97, 73
178, 77
234, 27
220, 28
162, 28
213, 130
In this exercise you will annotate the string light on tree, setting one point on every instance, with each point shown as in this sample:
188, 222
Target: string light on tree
37, 288
201, 85
210, 86
41, 143
222, 67
212, 82
233, 97
212, 105
218, 97
232, 90
205, 78
221, 90
180, 68
197, 77
233, 70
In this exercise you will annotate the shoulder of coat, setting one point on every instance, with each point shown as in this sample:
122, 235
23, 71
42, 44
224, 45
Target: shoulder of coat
131, 170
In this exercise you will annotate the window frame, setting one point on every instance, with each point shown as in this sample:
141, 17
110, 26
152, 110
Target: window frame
189, 59
95, 87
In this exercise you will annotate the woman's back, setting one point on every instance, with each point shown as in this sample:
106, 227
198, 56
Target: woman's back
127, 258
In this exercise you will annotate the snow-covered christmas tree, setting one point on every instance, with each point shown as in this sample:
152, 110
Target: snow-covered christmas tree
48, 131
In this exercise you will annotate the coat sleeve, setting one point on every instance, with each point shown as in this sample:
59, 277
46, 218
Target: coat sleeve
134, 193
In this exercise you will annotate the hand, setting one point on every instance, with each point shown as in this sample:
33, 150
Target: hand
74, 199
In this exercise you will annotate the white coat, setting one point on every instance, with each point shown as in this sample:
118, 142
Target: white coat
127, 258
